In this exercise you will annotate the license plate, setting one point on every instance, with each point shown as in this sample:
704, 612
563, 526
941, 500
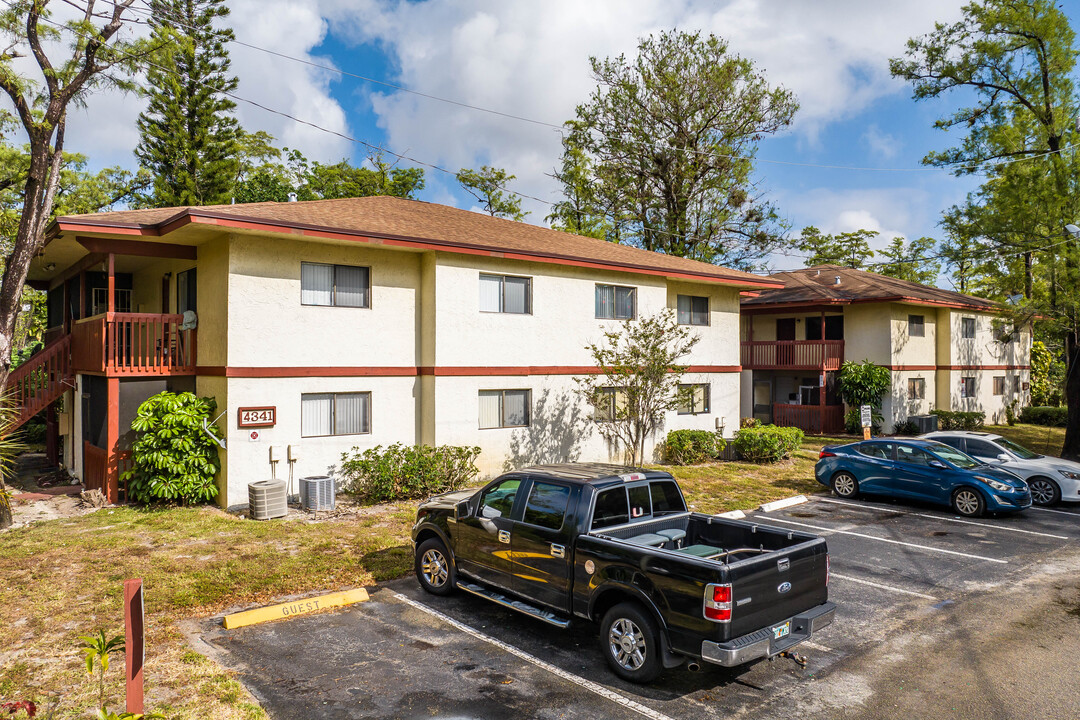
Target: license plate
781, 630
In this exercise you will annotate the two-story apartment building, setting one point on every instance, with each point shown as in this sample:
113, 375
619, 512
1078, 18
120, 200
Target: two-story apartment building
946, 350
323, 326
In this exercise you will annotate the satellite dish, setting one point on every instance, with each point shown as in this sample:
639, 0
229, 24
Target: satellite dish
1073, 230
1015, 299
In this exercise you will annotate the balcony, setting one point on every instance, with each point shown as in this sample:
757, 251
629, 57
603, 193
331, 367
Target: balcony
792, 354
133, 344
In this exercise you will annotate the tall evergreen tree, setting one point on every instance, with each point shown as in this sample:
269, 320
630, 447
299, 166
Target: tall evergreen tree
188, 135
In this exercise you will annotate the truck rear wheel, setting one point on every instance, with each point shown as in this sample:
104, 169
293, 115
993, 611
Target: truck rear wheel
434, 567
631, 643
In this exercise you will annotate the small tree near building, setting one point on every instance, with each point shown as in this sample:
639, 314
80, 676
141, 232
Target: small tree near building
863, 384
637, 380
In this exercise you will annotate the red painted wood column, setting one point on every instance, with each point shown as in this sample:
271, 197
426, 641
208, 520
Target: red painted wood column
134, 643
822, 381
110, 301
112, 440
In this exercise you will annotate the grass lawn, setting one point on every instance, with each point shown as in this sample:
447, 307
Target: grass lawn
63, 578
1040, 439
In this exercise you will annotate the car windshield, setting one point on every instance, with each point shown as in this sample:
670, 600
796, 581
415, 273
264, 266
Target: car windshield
954, 456
1018, 450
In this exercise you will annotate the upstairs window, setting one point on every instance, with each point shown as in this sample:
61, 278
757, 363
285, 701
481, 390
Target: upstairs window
616, 302
692, 310
693, 399
505, 294
916, 326
335, 285
1002, 332
967, 327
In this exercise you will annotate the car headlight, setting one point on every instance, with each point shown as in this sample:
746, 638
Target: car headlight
1070, 474
996, 484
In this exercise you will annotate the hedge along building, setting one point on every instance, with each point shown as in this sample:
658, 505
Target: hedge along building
335, 324
946, 350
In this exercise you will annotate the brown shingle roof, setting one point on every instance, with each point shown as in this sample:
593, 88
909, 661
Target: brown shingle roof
413, 222
817, 286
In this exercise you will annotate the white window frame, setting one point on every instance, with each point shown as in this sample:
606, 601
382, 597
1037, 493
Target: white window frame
966, 382
917, 383
615, 302
689, 409
974, 328
502, 293
502, 408
333, 413
1004, 380
690, 311
333, 286
611, 396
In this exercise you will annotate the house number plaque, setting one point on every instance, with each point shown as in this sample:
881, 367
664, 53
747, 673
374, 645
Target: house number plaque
250, 417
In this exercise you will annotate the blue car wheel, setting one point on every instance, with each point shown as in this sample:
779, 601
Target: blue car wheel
845, 485
968, 502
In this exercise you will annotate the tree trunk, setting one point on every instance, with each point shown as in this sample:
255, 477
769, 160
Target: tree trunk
5, 507
1071, 448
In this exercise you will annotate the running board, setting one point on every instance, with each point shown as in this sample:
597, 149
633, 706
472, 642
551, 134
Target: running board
531, 610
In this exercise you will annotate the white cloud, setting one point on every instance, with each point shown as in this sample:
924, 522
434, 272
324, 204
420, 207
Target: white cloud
531, 59
882, 144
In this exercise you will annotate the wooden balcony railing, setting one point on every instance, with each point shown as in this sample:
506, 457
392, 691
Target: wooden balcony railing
792, 354
812, 419
133, 344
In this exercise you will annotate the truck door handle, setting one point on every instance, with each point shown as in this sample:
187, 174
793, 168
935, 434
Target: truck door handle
504, 536
558, 551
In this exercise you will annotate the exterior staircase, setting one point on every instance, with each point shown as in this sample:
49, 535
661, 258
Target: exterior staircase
41, 380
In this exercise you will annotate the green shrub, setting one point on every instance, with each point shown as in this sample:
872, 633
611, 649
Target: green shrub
173, 457
749, 422
407, 472
853, 421
907, 427
692, 447
33, 432
767, 443
950, 420
1049, 416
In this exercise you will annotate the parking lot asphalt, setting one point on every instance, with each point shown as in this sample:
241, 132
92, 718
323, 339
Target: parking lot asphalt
906, 578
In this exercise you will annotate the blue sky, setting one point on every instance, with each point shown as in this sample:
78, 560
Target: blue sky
531, 59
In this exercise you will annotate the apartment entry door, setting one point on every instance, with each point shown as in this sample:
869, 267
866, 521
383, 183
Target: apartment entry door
763, 394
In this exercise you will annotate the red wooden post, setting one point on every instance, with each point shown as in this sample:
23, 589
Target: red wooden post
135, 643
112, 440
110, 302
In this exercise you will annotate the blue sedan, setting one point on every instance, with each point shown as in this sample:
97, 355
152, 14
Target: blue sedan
921, 470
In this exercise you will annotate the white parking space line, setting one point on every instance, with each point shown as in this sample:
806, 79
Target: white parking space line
827, 530
814, 646
1059, 512
580, 681
880, 586
860, 506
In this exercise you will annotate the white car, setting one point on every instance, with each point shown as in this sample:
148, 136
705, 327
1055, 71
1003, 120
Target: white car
1051, 479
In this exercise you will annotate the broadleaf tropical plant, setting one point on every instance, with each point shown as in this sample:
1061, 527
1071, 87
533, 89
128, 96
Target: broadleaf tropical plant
97, 649
175, 455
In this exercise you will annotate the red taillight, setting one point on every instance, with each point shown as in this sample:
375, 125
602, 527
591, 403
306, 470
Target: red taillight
825, 454
718, 602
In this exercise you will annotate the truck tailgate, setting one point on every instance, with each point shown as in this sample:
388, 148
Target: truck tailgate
770, 588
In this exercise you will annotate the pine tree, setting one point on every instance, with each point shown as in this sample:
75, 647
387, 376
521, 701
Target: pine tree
188, 134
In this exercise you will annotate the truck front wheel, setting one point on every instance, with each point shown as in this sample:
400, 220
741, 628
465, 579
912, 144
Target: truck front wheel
631, 643
434, 568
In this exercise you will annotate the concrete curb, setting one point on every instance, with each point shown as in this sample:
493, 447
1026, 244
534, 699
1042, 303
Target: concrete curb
780, 504
731, 515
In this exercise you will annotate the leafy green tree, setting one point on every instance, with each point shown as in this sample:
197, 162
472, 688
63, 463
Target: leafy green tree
188, 135
863, 383
175, 453
914, 261
577, 212
669, 140
1046, 376
851, 249
637, 380
489, 186
1013, 63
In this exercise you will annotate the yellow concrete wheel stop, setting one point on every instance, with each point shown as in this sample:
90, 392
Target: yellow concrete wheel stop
303, 606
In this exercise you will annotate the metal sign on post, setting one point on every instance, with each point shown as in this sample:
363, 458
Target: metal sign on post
135, 643
867, 420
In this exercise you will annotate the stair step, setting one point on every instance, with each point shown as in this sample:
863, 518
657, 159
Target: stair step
522, 607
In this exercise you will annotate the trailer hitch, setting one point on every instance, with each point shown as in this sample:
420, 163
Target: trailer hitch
795, 657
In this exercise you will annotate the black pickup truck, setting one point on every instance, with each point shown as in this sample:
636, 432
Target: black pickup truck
618, 546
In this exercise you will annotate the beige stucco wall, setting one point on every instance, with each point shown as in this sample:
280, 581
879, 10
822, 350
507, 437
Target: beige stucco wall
868, 333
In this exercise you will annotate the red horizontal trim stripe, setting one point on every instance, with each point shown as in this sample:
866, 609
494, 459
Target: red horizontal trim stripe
405, 371
899, 368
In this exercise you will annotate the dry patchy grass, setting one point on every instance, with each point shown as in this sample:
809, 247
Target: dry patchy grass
1041, 439
63, 578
